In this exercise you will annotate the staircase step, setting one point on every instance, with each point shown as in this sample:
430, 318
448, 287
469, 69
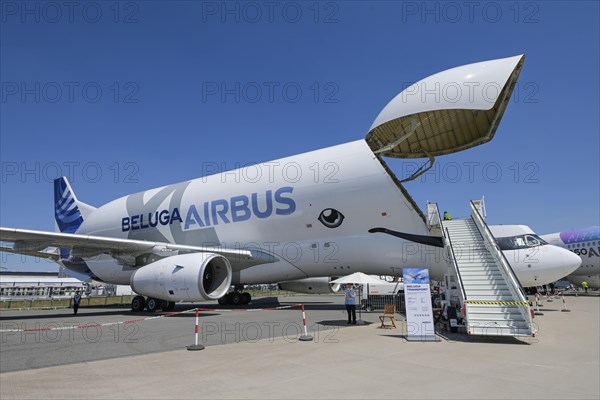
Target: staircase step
484, 273
474, 295
498, 286
473, 264
479, 269
482, 280
484, 286
492, 297
467, 284
492, 308
507, 319
480, 266
491, 279
508, 331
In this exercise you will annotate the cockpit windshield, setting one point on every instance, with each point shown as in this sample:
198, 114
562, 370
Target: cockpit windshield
520, 242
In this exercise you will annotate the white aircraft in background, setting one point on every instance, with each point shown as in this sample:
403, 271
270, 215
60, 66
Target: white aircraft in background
585, 242
329, 212
529, 253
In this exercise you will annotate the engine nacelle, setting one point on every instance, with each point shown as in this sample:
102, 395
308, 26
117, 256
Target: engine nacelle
310, 286
186, 277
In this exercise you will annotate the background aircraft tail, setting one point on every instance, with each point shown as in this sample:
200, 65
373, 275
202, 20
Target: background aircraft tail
69, 212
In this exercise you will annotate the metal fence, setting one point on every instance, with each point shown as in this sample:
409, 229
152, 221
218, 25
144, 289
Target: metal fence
377, 302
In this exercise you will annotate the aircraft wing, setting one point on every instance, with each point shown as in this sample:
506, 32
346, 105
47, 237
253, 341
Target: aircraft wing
30, 242
53, 255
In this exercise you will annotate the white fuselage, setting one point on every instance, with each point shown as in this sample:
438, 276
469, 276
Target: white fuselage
278, 207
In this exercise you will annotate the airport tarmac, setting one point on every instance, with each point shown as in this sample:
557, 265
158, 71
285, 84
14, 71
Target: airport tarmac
563, 361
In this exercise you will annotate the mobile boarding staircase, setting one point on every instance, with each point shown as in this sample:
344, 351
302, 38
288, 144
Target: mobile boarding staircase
491, 297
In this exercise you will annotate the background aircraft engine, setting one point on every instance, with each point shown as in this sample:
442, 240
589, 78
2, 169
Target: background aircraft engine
187, 277
310, 285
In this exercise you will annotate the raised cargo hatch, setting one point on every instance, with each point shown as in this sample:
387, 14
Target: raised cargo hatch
447, 112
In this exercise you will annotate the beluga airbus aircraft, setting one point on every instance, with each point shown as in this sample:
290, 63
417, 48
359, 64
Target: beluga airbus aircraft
193, 240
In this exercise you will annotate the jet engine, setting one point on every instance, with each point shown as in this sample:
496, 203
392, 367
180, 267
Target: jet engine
186, 277
310, 286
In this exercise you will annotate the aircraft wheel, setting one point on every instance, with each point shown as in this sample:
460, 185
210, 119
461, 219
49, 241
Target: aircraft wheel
152, 304
138, 303
236, 299
222, 300
170, 306
247, 298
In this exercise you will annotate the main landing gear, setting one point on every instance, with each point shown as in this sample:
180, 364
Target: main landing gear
237, 297
139, 303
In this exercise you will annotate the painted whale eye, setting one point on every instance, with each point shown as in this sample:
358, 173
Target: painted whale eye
331, 218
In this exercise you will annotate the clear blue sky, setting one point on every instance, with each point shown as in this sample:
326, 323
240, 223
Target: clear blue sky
129, 97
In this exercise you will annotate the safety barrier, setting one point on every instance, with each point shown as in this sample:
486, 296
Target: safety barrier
565, 309
305, 337
537, 305
196, 346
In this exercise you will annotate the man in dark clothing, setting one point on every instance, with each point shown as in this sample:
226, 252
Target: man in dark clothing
350, 302
76, 301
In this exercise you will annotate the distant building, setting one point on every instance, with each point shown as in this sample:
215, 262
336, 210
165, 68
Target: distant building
37, 285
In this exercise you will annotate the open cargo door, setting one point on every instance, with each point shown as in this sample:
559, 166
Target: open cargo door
447, 112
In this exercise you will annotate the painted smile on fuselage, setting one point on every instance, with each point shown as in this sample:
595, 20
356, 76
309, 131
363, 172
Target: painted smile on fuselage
434, 241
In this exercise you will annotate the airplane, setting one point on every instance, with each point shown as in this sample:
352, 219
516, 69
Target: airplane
530, 254
328, 212
585, 242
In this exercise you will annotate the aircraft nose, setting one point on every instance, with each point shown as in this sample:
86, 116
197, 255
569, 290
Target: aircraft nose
569, 261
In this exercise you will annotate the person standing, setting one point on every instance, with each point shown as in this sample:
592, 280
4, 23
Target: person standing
584, 285
76, 301
350, 302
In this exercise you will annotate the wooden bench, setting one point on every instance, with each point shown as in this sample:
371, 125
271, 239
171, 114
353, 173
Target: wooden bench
389, 311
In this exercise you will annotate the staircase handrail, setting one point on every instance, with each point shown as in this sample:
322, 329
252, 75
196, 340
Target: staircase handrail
448, 245
455, 263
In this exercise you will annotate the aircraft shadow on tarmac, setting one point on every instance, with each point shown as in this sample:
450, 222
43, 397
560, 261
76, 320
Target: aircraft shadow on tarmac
86, 312
340, 323
68, 313
83, 314
98, 311
461, 337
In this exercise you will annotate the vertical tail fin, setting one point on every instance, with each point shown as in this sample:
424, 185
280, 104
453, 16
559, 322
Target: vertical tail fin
69, 212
